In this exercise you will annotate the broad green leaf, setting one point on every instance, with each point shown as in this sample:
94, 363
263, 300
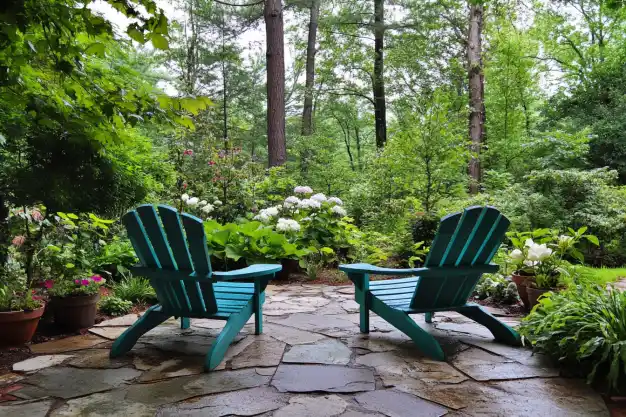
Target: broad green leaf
96, 48
159, 41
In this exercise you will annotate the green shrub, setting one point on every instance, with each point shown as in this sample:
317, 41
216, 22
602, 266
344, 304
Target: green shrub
584, 327
115, 306
134, 289
497, 288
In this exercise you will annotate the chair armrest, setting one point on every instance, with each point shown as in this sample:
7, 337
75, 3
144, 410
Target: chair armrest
422, 272
251, 271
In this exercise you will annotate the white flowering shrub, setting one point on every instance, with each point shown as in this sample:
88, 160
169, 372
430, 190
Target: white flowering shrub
196, 206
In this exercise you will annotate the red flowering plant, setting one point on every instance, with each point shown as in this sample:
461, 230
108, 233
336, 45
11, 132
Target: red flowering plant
76, 287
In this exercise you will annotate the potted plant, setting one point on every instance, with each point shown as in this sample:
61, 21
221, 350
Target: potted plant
544, 265
74, 301
20, 310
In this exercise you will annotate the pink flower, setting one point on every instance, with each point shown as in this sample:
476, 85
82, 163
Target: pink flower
18, 240
211, 163
48, 283
185, 185
188, 152
96, 278
37, 216
77, 281
85, 282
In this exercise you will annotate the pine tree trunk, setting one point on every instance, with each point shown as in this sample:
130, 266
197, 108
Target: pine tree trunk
307, 112
276, 146
476, 95
380, 107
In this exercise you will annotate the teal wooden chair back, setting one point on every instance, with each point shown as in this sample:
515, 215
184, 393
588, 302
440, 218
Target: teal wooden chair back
173, 254
464, 239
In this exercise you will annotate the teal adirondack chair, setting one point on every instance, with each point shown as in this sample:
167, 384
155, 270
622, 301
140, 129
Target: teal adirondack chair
460, 253
172, 251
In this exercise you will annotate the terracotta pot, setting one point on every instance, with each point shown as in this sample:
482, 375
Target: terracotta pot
535, 293
520, 283
77, 312
290, 266
18, 327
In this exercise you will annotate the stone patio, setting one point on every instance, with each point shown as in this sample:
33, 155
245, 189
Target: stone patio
310, 361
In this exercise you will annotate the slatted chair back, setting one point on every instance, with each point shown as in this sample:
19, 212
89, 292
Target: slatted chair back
173, 254
463, 240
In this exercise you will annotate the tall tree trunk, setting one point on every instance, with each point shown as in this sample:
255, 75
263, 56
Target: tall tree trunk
380, 107
476, 94
191, 65
307, 111
224, 85
276, 146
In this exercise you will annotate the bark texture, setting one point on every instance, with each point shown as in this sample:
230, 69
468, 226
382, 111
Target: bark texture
380, 107
307, 111
476, 83
276, 146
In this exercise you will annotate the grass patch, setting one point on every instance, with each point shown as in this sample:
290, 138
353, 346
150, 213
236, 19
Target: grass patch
601, 276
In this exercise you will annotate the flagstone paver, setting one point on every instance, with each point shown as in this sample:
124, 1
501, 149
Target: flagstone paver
331, 352
323, 378
40, 362
399, 404
247, 402
311, 360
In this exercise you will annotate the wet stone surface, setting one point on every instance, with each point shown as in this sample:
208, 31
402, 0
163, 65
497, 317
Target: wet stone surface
311, 360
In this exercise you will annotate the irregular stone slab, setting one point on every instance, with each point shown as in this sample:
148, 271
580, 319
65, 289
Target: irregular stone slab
109, 404
455, 396
354, 413
378, 342
484, 366
327, 378
65, 382
303, 406
124, 321
331, 352
99, 358
315, 302
177, 389
398, 404
347, 289
110, 333
350, 306
314, 322
69, 344
259, 353
281, 308
290, 335
186, 365
248, 402
208, 323
265, 371
468, 328
40, 362
30, 409
407, 365
10, 378
519, 354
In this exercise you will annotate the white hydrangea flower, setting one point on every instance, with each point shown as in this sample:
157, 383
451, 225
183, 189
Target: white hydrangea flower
271, 211
339, 210
193, 201
335, 200
184, 197
517, 255
291, 201
262, 217
287, 225
202, 203
303, 189
217, 203
308, 203
319, 197
208, 208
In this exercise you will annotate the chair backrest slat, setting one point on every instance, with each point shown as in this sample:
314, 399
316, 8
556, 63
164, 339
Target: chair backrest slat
164, 242
464, 239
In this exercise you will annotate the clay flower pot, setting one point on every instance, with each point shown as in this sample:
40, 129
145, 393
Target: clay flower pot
18, 327
535, 293
75, 312
520, 283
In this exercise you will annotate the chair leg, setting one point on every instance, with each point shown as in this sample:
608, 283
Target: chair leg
235, 323
500, 331
406, 325
429, 317
258, 300
125, 342
364, 310
185, 322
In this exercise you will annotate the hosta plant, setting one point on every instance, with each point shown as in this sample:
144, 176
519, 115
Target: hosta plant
584, 327
497, 288
115, 306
